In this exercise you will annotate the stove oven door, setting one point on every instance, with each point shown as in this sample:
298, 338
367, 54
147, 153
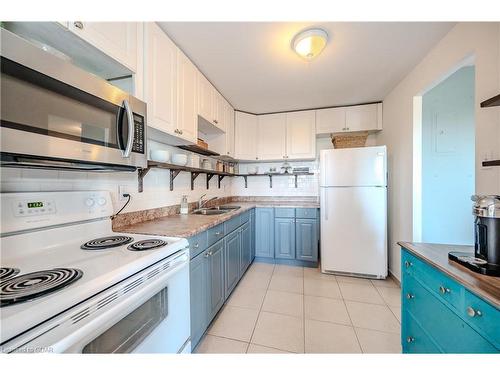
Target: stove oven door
147, 313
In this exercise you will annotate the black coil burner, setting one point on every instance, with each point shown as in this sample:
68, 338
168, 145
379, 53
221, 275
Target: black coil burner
36, 284
106, 242
8, 273
147, 245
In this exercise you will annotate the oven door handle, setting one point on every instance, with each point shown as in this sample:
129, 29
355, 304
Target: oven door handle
130, 121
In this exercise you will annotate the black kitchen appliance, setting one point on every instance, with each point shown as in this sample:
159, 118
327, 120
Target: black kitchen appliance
486, 257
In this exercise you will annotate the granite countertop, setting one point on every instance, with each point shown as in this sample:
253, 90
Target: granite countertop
188, 225
487, 287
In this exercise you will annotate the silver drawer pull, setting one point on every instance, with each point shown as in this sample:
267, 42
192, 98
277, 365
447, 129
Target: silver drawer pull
410, 339
207, 254
217, 233
444, 290
78, 25
410, 296
472, 312
196, 245
408, 264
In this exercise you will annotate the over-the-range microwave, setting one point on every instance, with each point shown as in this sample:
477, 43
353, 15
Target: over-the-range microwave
56, 115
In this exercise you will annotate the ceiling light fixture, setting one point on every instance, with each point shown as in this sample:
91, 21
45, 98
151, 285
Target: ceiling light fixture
309, 43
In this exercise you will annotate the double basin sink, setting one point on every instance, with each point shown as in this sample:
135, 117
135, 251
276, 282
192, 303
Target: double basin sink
218, 210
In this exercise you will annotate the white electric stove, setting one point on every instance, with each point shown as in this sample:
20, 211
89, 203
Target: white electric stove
68, 283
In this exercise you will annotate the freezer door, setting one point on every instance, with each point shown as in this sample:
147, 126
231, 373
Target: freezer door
364, 166
354, 230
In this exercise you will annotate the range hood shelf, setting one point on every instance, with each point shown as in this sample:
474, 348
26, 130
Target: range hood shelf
491, 163
195, 172
199, 150
491, 102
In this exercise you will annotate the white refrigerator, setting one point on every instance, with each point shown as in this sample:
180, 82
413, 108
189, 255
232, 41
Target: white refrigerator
353, 200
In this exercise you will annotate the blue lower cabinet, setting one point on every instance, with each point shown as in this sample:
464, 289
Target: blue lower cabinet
232, 261
306, 239
284, 238
246, 247
198, 282
216, 278
252, 235
434, 313
264, 232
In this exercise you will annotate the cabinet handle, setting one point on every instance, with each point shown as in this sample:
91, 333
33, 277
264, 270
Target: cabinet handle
347, 128
207, 254
216, 122
78, 25
217, 233
444, 290
410, 296
472, 312
181, 131
408, 264
410, 339
256, 158
196, 245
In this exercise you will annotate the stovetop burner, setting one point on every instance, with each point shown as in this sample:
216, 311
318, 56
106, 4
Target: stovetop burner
36, 284
106, 242
8, 273
474, 264
147, 245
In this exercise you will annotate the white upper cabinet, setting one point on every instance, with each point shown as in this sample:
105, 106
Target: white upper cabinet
301, 135
118, 40
245, 136
219, 110
229, 121
271, 137
205, 98
330, 120
187, 109
363, 117
160, 82
366, 117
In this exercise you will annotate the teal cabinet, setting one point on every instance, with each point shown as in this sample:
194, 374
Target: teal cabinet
284, 238
215, 278
232, 249
264, 232
435, 313
198, 283
306, 239
246, 250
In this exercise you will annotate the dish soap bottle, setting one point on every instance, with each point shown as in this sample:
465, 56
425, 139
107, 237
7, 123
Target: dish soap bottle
184, 205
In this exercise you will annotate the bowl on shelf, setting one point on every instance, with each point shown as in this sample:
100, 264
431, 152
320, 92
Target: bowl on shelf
162, 156
253, 170
179, 159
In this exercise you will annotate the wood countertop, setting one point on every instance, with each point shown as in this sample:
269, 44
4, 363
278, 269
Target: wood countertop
486, 287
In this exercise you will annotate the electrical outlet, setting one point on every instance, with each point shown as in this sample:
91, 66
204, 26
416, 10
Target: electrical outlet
122, 189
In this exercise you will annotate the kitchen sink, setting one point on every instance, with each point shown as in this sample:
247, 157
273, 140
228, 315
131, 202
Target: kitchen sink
219, 210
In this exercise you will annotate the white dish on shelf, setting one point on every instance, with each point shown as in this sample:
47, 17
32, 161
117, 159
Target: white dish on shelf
163, 156
253, 170
179, 159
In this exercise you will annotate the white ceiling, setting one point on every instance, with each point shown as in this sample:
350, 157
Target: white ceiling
254, 67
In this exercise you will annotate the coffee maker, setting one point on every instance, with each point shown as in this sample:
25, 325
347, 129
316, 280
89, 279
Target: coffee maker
486, 259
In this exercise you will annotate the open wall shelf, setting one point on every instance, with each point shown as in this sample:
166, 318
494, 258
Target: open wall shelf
491, 163
195, 172
491, 102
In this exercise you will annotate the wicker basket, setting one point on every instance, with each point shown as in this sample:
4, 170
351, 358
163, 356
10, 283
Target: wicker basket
349, 141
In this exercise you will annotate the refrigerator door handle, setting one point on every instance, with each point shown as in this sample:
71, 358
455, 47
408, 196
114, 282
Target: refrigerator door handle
326, 206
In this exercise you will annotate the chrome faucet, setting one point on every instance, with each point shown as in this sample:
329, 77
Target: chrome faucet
201, 203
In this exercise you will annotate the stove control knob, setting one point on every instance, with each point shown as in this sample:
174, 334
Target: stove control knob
89, 202
101, 201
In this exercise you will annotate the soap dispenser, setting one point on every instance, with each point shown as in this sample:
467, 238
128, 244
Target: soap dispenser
184, 205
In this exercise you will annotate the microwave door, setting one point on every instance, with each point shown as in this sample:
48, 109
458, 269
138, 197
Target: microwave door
125, 129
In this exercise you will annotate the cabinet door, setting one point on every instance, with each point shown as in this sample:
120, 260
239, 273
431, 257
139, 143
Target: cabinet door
232, 261
245, 136
116, 39
187, 116
271, 137
264, 232
205, 98
246, 251
361, 117
229, 120
198, 282
252, 236
284, 238
306, 239
219, 110
330, 120
160, 84
216, 278
301, 135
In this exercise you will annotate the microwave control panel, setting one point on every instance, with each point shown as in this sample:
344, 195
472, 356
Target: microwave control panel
139, 141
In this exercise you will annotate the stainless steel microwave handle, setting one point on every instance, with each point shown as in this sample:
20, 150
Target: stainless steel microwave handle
130, 120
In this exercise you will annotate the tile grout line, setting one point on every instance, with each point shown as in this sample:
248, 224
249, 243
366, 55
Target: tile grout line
349, 315
387, 305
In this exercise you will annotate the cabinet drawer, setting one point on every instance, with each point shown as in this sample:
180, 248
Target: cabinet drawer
415, 339
442, 286
306, 213
197, 244
448, 330
232, 224
244, 217
483, 317
215, 234
284, 212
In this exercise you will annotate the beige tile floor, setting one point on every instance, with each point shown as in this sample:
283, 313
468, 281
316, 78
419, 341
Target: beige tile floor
285, 309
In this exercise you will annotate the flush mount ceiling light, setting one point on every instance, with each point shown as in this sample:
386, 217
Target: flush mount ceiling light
309, 43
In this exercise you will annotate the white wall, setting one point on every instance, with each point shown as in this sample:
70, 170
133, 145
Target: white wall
481, 40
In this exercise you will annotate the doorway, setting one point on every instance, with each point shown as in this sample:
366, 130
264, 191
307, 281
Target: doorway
447, 159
